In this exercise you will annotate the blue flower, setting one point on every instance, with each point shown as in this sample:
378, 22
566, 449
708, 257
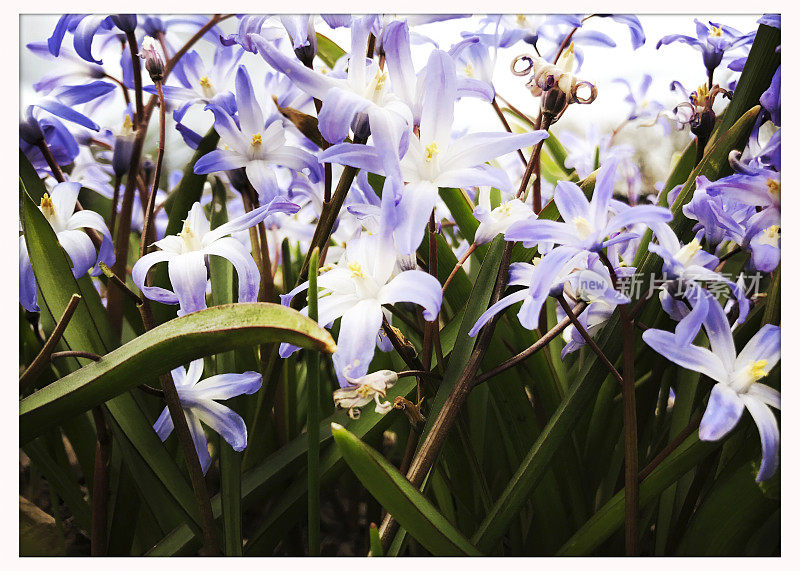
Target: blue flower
351, 102
736, 376
256, 143
199, 401
58, 209
365, 278
185, 256
588, 225
712, 41
434, 160
688, 266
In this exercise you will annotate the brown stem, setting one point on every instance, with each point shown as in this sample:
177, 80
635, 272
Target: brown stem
51, 160
458, 265
81, 354
147, 226
540, 344
43, 358
670, 447
138, 94
507, 127
114, 204
113, 278
631, 438
588, 338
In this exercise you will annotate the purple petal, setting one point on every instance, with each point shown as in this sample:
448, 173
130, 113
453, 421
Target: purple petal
722, 413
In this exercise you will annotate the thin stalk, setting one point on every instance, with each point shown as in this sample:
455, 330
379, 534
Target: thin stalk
458, 265
670, 447
77, 354
631, 438
588, 338
114, 204
507, 127
138, 94
312, 425
540, 344
51, 160
147, 226
43, 358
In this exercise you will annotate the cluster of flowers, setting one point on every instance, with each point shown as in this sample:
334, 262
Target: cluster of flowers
380, 114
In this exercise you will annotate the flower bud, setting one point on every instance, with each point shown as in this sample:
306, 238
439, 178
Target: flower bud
153, 62
125, 22
29, 129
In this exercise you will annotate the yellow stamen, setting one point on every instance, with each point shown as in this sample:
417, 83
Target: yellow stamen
715, 32
127, 125
431, 151
522, 20
687, 253
380, 80
205, 82
191, 241
774, 187
772, 231
757, 369
469, 71
46, 206
256, 140
355, 270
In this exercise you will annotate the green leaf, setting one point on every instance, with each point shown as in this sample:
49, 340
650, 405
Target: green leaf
328, 51
207, 332
611, 516
375, 547
396, 494
733, 510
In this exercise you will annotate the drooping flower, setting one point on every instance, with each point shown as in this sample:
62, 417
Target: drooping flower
737, 379
199, 401
256, 143
185, 256
363, 390
687, 266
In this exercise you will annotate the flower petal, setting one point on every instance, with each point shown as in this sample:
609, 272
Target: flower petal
187, 273
722, 413
139, 275
770, 436
249, 277
414, 286
691, 357
356, 344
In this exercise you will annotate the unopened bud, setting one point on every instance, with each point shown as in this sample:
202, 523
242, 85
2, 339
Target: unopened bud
153, 62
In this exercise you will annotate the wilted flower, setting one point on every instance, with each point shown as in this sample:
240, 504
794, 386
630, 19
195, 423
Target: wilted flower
363, 390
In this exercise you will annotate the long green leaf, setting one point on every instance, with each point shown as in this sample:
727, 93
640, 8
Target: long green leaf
396, 494
207, 332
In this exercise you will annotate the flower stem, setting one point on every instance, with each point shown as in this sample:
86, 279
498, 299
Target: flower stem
51, 160
458, 265
138, 94
41, 360
588, 338
100, 484
148, 225
670, 447
312, 426
540, 344
507, 127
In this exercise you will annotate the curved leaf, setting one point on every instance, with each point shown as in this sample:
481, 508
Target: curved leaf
395, 493
207, 332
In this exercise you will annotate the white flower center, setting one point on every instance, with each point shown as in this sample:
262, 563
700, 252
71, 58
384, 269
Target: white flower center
206, 87
582, 226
